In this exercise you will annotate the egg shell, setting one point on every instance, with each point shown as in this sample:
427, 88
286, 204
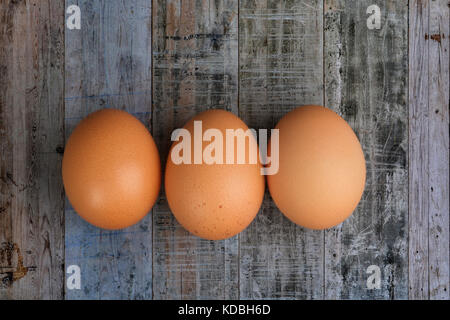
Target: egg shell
111, 169
214, 201
322, 169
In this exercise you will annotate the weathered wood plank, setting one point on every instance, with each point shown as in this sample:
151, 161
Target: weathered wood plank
108, 64
31, 137
281, 65
438, 110
366, 82
429, 150
418, 150
195, 68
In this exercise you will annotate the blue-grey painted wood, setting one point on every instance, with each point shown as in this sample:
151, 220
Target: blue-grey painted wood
108, 64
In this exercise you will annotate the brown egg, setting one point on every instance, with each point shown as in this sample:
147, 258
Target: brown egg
214, 201
322, 170
111, 169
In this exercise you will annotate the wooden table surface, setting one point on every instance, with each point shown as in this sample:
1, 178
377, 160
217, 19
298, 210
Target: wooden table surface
166, 60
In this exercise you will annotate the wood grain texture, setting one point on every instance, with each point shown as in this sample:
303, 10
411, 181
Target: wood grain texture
108, 65
418, 150
429, 150
438, 110
366, 83
166, 60
31, 137
195, 58
281, 65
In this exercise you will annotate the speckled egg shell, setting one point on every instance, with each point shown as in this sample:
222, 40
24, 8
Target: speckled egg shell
111, 169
